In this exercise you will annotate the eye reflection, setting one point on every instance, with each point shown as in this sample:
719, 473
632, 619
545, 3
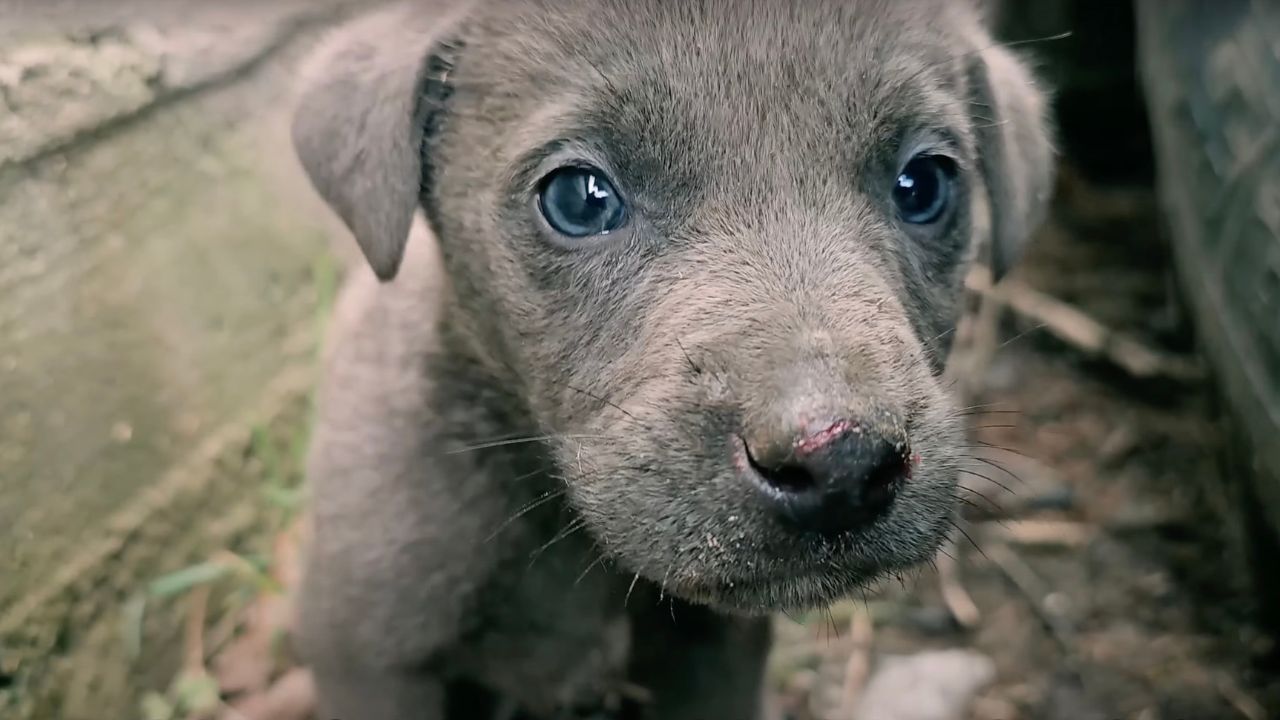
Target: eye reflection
580, 202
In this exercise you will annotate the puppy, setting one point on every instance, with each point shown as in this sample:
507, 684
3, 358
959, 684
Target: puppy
666, 359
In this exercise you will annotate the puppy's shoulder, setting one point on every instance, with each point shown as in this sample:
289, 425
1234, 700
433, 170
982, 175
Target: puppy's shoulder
388, 327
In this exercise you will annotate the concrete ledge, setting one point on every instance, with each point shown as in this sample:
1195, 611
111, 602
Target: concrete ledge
66, 649
162, 265
56, 88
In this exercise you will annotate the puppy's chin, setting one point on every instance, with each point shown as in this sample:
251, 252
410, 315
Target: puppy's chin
746, 564
783, 594
811, 586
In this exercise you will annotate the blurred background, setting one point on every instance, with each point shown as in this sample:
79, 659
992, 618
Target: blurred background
165, 274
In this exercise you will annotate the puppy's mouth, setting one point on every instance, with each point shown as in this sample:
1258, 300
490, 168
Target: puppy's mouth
797, 590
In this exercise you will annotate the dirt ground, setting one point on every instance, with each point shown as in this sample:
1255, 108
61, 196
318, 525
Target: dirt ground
1102, 574
1102, 558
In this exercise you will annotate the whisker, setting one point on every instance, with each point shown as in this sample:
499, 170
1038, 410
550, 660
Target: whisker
993, 511
983, 445
960, 530
979, 406
929, 345
1029, 41
940, 335
980, 413
631, 589
528, 508
569, 529
994, 508
1021, 335
997, 483
599, 559
523, 441
531, 473
606, 401
915, 77
662, 589
999, 467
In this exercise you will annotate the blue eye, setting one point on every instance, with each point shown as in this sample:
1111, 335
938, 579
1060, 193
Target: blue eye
923, 189
580, 202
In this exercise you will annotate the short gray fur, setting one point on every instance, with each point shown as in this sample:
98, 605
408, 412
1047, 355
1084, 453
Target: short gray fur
763, 277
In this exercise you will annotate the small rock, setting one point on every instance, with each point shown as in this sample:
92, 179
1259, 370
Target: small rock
935, 685
122, 432
1068, 700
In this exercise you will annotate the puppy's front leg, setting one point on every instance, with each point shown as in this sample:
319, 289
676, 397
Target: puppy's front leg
697, 664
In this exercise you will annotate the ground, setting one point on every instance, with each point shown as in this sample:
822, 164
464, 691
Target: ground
1100, 557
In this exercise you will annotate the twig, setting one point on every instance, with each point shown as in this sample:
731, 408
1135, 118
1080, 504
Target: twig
1240, 700
858, 666
954, 595
1034, 590
221, 634
633, 692
976, 338
1059, 533
1086, 334
193, 636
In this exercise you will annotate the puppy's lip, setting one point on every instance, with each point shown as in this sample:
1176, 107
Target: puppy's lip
791, 592
807, 578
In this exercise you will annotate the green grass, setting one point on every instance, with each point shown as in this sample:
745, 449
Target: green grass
277, 456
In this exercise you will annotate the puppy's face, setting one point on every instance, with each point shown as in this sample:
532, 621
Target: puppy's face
719, 245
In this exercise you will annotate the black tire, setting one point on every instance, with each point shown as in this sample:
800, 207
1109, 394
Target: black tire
1211, 76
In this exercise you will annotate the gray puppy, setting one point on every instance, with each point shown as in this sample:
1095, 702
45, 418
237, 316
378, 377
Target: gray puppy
668, 358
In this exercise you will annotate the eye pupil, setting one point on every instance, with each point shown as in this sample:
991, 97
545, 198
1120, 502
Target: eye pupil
581, 202
923, 190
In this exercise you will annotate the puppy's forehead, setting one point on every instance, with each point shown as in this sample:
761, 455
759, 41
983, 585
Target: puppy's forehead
712, 78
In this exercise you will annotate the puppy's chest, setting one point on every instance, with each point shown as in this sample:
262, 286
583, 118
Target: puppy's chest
552, 631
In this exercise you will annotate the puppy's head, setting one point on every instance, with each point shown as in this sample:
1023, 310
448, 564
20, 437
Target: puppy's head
718, 246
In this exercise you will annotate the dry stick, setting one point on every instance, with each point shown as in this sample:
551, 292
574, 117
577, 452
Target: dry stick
193, 641
193, 636
858, 667
1056, 533
1086, 334
954, 595
1034, 590
1241, 701
221, 634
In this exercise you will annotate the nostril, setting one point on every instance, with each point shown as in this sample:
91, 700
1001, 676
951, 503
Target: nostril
892, 466
788, 478
832, 481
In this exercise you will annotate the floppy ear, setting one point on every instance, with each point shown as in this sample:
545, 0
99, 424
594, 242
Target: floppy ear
1015, 149
363, 117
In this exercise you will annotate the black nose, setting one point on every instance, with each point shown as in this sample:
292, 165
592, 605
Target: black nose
831, 481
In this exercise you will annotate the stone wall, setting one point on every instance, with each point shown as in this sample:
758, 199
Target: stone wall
162, 265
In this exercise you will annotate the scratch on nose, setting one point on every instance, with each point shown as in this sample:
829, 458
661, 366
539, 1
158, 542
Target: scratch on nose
818, 440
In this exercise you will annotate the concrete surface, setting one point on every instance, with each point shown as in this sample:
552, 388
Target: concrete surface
159, 256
